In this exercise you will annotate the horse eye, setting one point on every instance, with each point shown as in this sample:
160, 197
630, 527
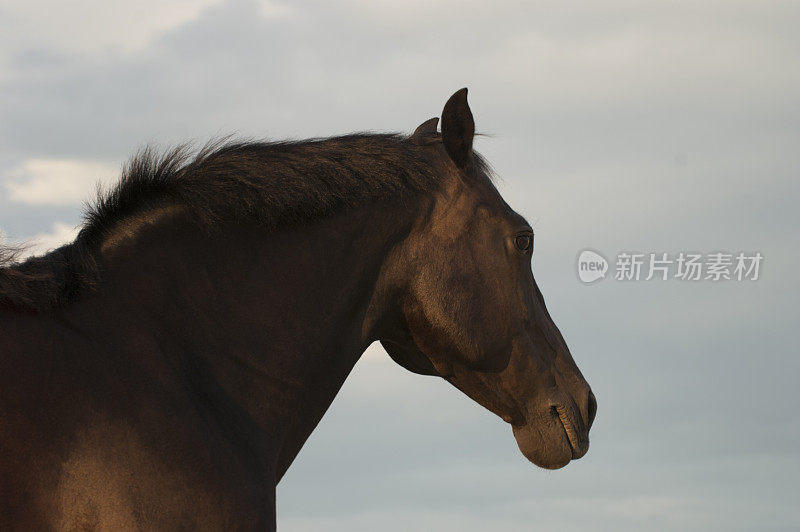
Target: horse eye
524, 242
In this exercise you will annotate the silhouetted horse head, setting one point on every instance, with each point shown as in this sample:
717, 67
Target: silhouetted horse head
469, 310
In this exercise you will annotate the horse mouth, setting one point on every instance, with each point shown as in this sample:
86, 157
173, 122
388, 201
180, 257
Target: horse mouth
579, 446
552, 439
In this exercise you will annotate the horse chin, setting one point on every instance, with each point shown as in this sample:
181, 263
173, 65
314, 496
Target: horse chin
548, 451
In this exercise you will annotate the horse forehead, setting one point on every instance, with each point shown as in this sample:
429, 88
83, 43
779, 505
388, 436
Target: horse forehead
490, 204
500, 212
465, 215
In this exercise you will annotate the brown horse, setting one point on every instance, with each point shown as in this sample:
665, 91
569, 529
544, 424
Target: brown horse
163, 371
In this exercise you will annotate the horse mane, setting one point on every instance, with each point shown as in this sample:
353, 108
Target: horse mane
276, 184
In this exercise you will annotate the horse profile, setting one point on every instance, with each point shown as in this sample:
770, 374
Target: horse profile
163, 370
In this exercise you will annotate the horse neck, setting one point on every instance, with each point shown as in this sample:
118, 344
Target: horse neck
268, 324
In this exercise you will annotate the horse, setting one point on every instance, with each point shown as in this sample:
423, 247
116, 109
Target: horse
163, 370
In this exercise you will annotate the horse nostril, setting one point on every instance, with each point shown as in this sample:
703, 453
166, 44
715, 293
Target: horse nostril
592, 408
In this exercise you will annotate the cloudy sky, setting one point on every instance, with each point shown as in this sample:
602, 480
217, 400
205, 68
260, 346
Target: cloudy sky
617, 126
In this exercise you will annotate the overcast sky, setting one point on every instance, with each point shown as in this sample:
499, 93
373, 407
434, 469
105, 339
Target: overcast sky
617, 126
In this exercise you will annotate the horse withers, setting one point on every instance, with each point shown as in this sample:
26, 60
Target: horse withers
164, 369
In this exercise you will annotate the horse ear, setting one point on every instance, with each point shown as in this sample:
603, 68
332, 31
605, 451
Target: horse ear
425, 130
458, 128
